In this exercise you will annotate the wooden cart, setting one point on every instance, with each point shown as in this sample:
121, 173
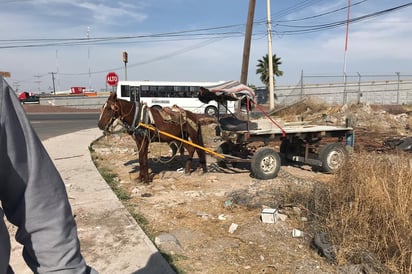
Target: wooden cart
326, 147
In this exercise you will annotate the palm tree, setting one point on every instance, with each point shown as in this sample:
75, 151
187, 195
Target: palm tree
263, 69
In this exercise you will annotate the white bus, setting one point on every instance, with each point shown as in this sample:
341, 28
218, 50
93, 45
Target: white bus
160, 94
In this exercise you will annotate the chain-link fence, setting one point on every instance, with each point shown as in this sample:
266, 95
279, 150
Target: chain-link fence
373, 89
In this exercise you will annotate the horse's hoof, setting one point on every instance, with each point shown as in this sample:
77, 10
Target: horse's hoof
199, 171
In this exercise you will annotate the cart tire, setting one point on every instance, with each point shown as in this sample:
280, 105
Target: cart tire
222, 149
211, 111
265, 163
333, 156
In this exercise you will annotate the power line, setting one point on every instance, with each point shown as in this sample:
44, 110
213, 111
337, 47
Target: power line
203, 33
321, 14
197, 34
304, 29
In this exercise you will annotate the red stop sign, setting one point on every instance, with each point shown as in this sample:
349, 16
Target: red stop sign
112, 79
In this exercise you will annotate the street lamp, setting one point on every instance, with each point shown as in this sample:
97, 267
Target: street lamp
125, 59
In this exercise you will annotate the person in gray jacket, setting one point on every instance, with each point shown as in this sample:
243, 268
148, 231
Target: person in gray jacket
33, 197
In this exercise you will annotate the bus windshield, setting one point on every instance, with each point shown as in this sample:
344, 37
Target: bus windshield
159, 94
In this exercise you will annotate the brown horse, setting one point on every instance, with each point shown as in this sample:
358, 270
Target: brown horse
184, 124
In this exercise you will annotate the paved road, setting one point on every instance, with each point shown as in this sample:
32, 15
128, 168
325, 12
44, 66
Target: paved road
49, 125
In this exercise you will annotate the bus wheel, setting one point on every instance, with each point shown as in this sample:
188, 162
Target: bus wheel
265, 163
333, 156
211, 111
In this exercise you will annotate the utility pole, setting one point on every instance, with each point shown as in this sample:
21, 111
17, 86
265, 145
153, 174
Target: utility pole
125, 60
54, 87
88, 58
38, 81
246, 46
270, 57
346, 43
248, 38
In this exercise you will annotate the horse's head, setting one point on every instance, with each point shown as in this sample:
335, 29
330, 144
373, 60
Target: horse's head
109, 112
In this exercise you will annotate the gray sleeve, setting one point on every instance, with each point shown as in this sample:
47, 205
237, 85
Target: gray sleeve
34, 197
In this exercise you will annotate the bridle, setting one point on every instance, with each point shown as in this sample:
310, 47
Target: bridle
118, 113
115, 111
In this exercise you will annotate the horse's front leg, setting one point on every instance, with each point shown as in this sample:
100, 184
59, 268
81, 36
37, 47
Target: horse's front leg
202, 159
188, 166
144, 170
143, 147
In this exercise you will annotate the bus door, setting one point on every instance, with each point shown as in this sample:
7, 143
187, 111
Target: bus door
134, 93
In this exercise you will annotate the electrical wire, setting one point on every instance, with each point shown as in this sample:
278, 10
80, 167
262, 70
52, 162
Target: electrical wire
321, 14
304, 29
212, 34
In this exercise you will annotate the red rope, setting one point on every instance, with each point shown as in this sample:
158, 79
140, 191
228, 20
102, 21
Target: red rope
273, 121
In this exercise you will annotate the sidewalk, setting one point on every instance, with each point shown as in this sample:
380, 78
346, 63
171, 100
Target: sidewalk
111, 240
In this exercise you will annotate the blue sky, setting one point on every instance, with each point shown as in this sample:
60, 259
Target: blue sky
193, 40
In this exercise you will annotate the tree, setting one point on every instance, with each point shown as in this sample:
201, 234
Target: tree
263, 69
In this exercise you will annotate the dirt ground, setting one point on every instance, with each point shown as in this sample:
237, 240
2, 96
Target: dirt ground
211, 223
191, 214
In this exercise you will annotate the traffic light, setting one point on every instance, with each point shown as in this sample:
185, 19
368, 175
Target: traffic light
125, 57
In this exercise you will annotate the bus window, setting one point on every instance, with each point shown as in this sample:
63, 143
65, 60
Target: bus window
164, 91
144, 91
193, 91
180, 91
125, 90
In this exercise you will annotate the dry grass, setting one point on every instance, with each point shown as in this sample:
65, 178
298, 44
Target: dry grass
298, 111
368, 210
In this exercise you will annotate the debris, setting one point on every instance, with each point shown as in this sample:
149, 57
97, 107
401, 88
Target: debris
269, 215
147, 194
233, 228
222, 217
296, 233
281, 217
204, 215
320, 242
404, 144
169, 243
228, 204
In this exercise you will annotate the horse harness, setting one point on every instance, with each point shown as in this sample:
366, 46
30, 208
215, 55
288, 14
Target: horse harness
143, 114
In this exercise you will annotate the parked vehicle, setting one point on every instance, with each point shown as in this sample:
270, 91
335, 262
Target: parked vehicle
29, 98
160, 94
325, 147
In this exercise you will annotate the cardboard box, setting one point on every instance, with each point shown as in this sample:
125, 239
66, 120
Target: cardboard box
269, 215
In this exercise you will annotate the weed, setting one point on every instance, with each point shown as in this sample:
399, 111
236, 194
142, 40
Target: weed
369, 209
113, 181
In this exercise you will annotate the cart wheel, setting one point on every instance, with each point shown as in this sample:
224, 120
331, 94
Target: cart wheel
222, 149
333, 156
211, 111
265, 163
